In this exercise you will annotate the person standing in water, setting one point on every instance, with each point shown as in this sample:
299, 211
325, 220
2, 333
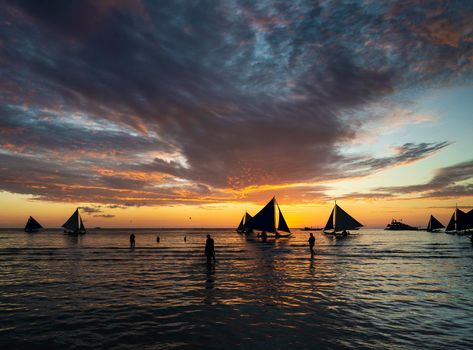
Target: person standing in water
157, 239
312, 244
185, 238
209, 249
132, 240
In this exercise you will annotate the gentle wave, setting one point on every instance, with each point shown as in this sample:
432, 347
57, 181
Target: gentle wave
374, 290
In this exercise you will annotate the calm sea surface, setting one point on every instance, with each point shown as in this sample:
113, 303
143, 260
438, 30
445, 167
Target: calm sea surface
373, 290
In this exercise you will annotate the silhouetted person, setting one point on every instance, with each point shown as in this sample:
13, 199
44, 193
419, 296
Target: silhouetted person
185, 238
264, 236
209, 249
157, 239
312, 244
132, 240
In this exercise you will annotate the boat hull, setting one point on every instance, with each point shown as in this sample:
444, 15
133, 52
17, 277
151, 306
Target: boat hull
396, 225
75, 233
401, 229
337, 233
275, 234
246, 232
33, 230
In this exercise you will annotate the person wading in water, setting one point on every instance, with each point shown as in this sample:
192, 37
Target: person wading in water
312, 244
209, 249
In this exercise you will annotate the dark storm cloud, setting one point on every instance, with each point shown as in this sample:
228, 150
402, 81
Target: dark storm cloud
181, 99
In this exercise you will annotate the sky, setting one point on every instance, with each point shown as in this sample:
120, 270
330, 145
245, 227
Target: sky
188, 113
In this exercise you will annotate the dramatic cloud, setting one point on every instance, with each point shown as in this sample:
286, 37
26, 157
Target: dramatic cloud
91, 210
449, 182
105, 216
405, 154
139, 103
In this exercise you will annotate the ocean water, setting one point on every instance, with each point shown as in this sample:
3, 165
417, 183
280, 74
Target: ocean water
373, 290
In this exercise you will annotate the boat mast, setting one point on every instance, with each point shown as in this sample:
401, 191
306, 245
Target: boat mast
456, 216
335, 216
276, 216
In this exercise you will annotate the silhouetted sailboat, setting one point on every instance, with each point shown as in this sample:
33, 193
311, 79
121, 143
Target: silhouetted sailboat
434, 225
269, 221
469, 217
340, 221
32, 225
460, 223
243, 226
74, 225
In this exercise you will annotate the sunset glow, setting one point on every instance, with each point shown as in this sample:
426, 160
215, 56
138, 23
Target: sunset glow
175, 115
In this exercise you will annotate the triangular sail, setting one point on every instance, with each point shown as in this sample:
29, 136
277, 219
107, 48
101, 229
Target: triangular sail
343, 220
32, 224
247, 223
28, 223
470, 218
244, 223
82, 227
451, 224
248, 217
462, 220
329, 225
73, 223
240, 226
282, 226
265, 220
434, 224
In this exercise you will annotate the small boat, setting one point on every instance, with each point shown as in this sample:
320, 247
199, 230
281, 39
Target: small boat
398, 225
242, 227
267, 221
340, 222
32, 225
434, 225
74, 224
460, 223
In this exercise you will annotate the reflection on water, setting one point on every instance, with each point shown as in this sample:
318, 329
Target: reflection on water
373, 290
